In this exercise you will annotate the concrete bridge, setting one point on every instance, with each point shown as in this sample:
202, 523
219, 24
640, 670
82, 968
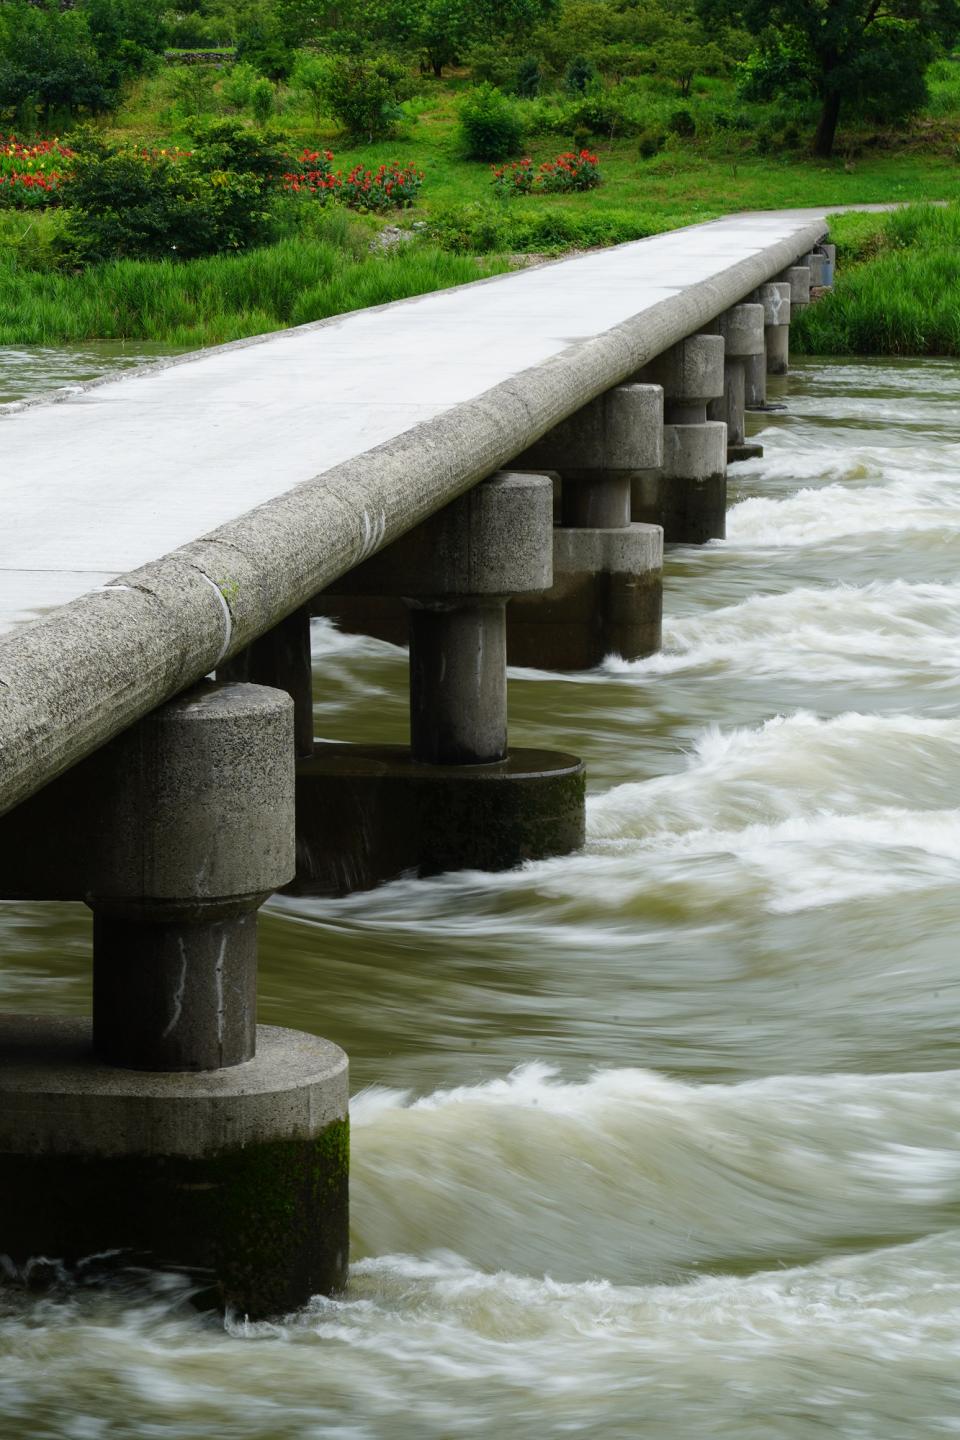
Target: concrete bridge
532, 438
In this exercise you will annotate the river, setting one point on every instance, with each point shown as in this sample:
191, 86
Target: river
658, 1139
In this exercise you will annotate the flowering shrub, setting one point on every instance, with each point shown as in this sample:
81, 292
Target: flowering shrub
518, 178
315, 177
390, 187
31, 175
571, 171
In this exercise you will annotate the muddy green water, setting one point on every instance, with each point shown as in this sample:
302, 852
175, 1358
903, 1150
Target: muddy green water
662, 1138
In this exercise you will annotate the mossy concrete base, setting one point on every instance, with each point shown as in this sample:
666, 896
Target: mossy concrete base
691, 509
237, 1177
370, 813
606, 599
746, 451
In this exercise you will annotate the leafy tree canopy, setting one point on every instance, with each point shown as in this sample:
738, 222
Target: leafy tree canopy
869, 53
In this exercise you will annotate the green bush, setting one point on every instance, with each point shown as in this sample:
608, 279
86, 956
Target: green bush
529, 78
126, 203
482, 228
263, 100
682, 123
581, 73
651, 141
365, 94
490, 126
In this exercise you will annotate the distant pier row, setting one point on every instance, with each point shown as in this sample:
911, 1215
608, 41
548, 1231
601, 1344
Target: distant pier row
487, 474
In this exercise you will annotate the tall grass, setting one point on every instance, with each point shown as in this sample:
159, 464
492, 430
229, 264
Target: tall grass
207, 302
901, 292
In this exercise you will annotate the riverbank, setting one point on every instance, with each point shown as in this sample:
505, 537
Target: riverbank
195, 303
897, 290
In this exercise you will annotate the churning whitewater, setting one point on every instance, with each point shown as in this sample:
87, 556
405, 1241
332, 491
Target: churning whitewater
662, 1138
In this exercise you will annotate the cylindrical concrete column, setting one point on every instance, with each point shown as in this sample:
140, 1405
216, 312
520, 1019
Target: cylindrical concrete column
281, 659
458, 681
201, 830
798, 278
169, 1133
600, 502
690, 374
459, 797
818, 267
775, 299
742, 331
688, 495
597, 450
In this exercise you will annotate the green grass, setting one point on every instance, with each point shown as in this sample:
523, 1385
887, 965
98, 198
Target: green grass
897, 290
207, 302
902, 302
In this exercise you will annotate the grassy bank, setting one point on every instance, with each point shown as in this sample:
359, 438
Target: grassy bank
897, 290
207, 302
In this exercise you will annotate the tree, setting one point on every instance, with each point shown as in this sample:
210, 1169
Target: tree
871, 53
48, 60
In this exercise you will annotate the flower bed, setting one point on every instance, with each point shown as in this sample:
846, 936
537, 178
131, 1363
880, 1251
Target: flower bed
390, 187
574, 170
32, 175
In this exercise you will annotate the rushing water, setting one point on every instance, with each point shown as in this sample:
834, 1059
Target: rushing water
662, 1138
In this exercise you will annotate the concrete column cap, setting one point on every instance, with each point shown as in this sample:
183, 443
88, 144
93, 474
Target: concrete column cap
690, 371
196, 802
494, 540
695, 452
775, 299
742, 329
620, 430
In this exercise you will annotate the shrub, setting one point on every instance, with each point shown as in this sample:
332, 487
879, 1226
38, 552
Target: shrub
604, 112
365, 94
682, 123
389, 187
652, 141
149, 205
581, 73
262, 100
491, 63
529, 78
570, 171
489, 124
314, 175
520, 178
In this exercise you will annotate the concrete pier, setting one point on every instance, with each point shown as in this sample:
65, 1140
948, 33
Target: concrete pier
416, 810
742, 329
687, 493
775, 299
798, 278
607, 591
179, 829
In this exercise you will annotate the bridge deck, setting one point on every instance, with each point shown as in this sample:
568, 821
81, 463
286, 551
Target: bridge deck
123, 471
225, 489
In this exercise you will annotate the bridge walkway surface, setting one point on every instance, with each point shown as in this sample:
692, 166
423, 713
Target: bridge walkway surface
227, 487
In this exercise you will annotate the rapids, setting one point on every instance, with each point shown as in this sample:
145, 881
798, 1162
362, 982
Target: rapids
658, 1139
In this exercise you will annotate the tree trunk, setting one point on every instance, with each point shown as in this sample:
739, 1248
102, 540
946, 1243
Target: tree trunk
438, 68
827, 125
